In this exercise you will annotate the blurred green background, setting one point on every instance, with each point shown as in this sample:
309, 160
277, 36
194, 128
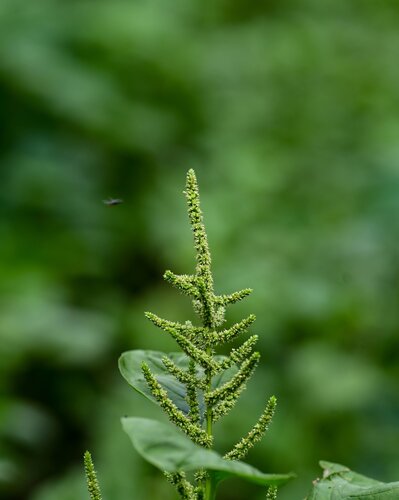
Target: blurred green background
289, 113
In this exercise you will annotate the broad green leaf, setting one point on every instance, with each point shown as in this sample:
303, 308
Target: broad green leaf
340, 483
130, 368
170, 450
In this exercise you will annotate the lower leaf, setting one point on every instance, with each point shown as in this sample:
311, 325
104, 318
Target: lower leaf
340, 483
170, 450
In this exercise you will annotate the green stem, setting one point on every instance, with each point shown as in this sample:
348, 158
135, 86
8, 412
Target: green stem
209, 489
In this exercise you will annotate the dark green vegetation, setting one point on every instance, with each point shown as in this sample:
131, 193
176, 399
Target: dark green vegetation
288, 112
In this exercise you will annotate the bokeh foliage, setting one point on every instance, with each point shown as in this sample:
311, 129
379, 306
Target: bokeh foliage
289, 112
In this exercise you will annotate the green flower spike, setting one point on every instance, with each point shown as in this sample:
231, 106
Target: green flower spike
242, 448
91, 478
271, 493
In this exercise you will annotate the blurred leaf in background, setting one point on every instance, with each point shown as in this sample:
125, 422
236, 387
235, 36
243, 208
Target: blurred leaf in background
289, 112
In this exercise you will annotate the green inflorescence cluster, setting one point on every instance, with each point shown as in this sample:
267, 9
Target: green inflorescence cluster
199, 344
91, 478
271, 493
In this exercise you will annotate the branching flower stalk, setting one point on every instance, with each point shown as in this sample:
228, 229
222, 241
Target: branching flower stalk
199, 344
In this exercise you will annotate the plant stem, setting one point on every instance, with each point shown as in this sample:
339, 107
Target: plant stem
209, 490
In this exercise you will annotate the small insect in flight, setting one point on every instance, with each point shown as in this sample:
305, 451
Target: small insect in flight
112, 201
